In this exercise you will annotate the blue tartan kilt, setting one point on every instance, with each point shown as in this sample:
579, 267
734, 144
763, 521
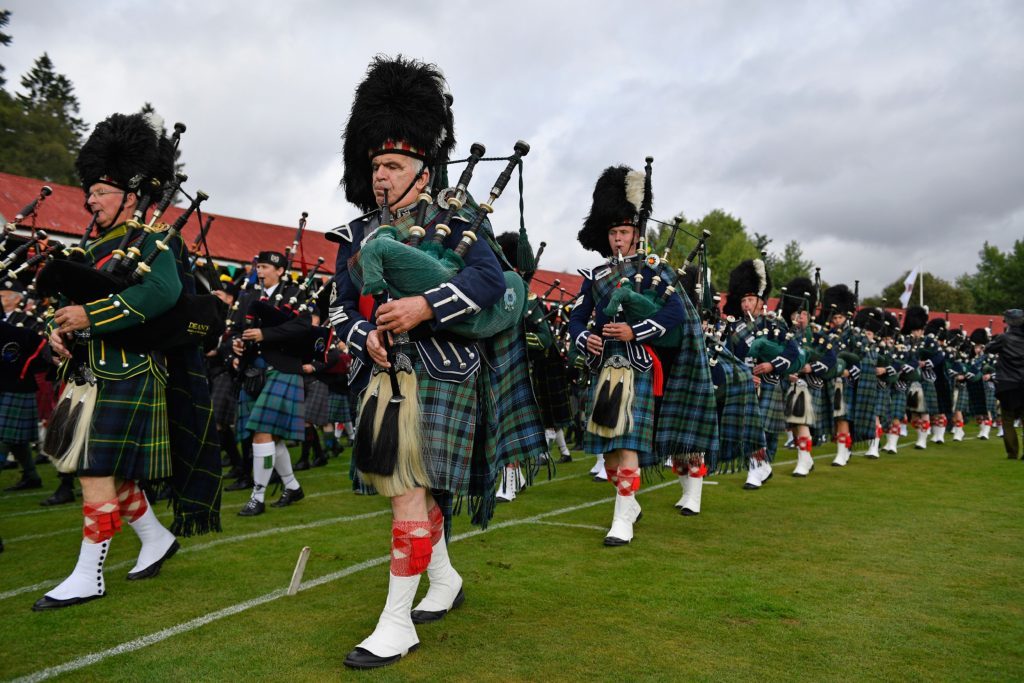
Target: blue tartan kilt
129, 437
19, 418
773, 407
931, 398
897, 404
338, 409
277, 410
641, 437
224, 397
823, 420
884, 404
513, 416
315, 408
448, 426
990, 398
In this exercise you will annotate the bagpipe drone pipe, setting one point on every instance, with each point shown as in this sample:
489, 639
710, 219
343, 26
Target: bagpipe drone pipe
192, 318
388, 266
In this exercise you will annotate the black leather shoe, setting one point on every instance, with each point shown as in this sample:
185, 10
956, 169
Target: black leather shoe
63, 494
420, 616
320, 460
288, 497
239, 485
252, 508
364, 659
687, 512
154, 569
42, 460
302, 465
45, 602
612, 541
26, 484
565, 458
9, 465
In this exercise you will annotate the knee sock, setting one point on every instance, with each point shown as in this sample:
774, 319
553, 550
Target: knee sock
560, 442
436, 519
627, 481
263, 456
101, 520
131, 501
283, 465
411, 547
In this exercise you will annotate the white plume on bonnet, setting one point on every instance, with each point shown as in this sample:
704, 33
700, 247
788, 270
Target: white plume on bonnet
762, 278
156, 122
635, 188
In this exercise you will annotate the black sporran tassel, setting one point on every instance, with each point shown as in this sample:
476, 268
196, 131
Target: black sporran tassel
615, 404
799, 404
602, 415
385, 446
55, 435
362, 449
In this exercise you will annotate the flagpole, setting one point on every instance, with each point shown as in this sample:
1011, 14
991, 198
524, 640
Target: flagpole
920, 289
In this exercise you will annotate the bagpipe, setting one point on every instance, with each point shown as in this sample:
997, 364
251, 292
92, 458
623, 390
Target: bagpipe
192, 317
387, 266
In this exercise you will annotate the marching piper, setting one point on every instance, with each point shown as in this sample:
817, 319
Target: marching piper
140, 416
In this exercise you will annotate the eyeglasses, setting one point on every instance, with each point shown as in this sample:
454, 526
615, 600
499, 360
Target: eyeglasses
100, 193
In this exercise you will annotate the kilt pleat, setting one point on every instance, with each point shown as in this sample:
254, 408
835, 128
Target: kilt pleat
338, 409
19, 418
128, 437
773, 408
641, 437
315, 408
277, 410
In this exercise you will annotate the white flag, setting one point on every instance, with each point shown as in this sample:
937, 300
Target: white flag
908, 288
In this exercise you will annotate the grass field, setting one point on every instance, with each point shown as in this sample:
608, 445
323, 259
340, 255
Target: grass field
905, 568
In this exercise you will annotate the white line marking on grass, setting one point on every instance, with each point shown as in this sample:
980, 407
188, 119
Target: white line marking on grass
193, 624
574, 526
212, 544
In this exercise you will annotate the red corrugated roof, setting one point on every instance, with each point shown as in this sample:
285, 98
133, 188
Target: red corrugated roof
230, 238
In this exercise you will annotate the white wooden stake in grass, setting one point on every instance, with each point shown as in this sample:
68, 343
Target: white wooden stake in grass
300, 569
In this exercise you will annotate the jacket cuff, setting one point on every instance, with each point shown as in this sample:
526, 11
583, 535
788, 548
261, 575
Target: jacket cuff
647, 329
112, 309
450, 304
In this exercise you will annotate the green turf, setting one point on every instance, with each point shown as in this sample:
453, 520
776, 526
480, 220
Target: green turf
905, 568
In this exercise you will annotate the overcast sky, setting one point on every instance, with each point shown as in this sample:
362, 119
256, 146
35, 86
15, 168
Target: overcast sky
877, 134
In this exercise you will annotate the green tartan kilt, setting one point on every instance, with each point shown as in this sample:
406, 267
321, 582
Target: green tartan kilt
19, 418
897, 404
128, 437
990, 398
513, 416
641, 437
338, 409
773, 407
963, 402
931, 398
277, 410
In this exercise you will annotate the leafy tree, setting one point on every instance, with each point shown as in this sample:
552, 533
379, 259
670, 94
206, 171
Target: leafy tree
40, 132
726, 247
939, 295
789, 265
5, 39
998, 283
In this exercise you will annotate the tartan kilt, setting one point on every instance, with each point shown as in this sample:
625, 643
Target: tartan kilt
277, 410
864, 408
897, 404
961, 403
823, 421
448, 426
338, 409
990, 398
773, 407
641, 437
551, 386
19, 418
129, 437
315, 406
931, 397
224, 397
512, 406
